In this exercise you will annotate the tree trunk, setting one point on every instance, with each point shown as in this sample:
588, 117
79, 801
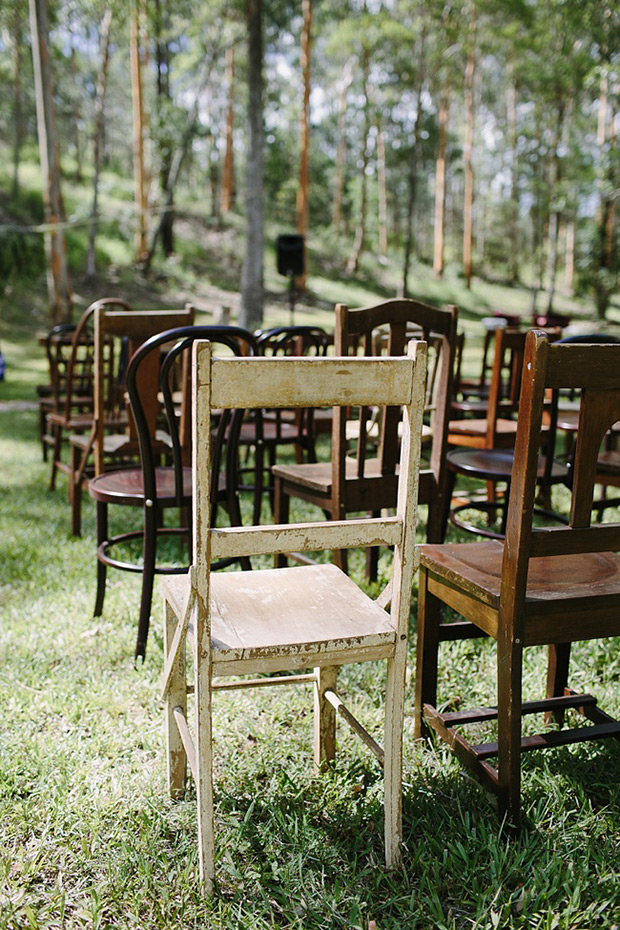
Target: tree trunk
102, 79
227, 199
360, 235
467, 151
162, 53
252, 296
77, 139
440, 184
414, 162
304, 138
605, 219
140, 188
382, 182
59, 289
569, 261
341, 151
554, 217
18, 97
511, 107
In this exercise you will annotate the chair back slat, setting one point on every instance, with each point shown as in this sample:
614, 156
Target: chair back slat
280, 382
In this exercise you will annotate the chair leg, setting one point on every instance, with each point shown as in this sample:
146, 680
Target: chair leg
372, 557
75, 494
393, 761
101, 512
557, 677
204, 757
509, 672
281, 509
324, 717
177, 697
149, 553
426, 655
56, 452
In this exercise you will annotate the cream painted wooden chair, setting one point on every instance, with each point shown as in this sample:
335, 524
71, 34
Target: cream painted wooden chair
309, 619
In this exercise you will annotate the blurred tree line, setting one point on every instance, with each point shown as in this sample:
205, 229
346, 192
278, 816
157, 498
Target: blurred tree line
481, 134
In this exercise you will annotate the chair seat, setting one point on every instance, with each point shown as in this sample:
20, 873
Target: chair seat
609, 462
496, 464
282, 432
126, 486
114, 443
289, 618
550, 579
477, 427
317, 476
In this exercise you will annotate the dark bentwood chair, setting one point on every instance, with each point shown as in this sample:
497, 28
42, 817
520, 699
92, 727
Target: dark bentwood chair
164, 481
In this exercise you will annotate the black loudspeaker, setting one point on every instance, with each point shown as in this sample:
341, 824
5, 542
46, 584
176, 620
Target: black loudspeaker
290, 255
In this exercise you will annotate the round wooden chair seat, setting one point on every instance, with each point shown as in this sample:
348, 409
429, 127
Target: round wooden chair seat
126, 486
496, 465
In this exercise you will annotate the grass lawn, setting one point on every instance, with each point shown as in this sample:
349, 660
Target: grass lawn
89, 839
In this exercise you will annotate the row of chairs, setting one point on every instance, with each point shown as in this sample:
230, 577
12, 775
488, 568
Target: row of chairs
534, 589
541, 586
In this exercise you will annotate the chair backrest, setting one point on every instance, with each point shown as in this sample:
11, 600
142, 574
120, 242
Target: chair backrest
174, 370
307, 382
81, 364
293, 340
58, 348
118, 333
397, 317
595, 371
505, 383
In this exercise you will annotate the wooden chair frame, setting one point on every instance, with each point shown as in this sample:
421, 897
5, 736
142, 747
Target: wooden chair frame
290, 642
369, 484
100, 448
542, 586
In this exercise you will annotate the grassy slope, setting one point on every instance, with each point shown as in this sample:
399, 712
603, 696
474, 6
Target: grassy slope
87, 835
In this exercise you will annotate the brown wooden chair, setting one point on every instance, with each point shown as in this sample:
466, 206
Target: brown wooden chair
155, 486
51, 396
360, 484
484, 444
541, 586
290, 619
112, 440
72, 370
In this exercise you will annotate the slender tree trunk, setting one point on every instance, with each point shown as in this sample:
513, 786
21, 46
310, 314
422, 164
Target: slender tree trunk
58, 278
467, 151
414, 162
77, 136
252, 296
18, 97
102, 80
569, 261
440, 184
382, 182
341, 151
227, 200
511, 106
360, 235
140, 186
605, 219
303, 187
162, 53
554, 217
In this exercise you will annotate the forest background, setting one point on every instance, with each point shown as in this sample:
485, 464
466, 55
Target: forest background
401, 138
